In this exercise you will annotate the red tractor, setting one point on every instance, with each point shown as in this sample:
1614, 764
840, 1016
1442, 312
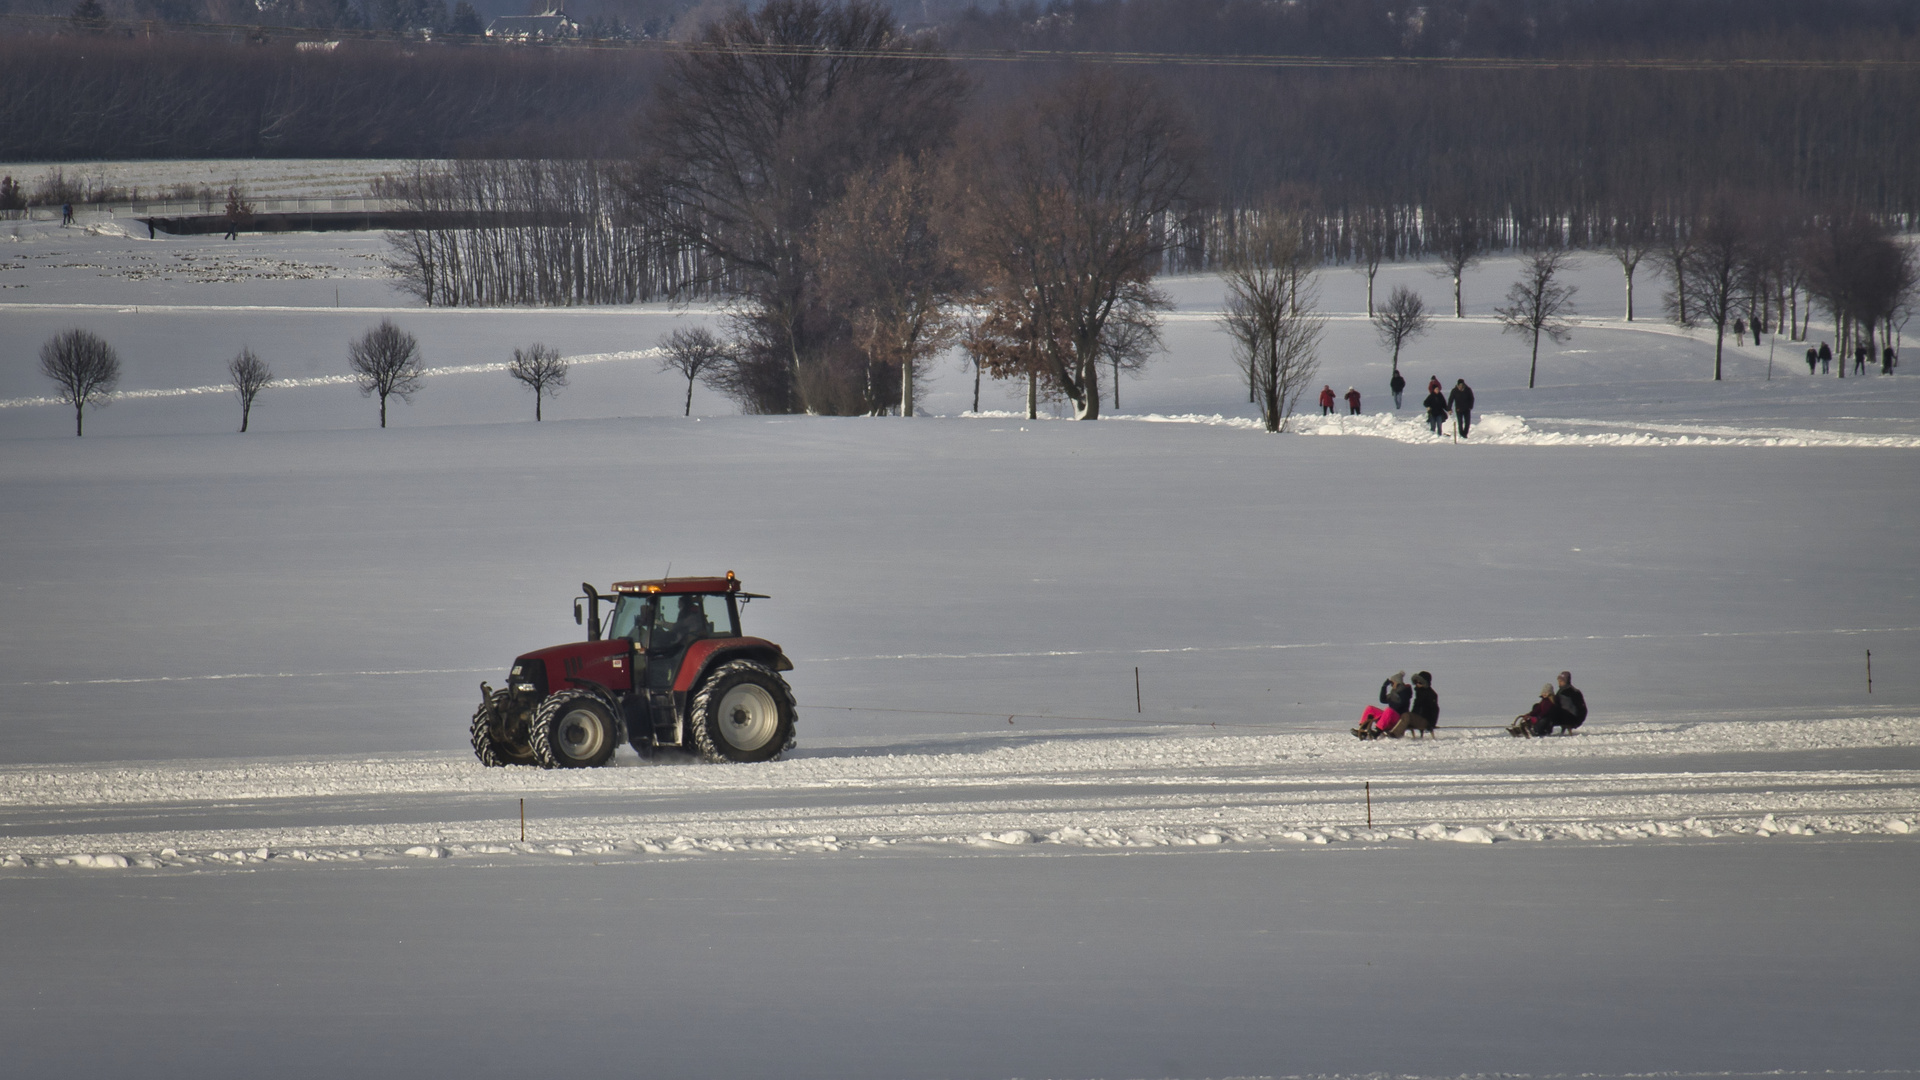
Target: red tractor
672, 669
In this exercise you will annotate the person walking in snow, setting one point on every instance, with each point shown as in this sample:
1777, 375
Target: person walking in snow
1326, 400
1398, 384
1886, 360
1395, 698
1462, 401
1739, 331
1436, 406
1433, 384
1860, 359
1826, 359
1353, 402
1813, 361
66, 214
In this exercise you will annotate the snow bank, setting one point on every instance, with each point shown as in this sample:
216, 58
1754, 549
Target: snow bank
1612, 783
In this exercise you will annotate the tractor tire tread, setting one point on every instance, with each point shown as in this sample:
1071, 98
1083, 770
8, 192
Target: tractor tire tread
547, 714
705, 699
487, 743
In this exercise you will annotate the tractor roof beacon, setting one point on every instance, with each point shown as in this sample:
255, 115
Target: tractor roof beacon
668, 666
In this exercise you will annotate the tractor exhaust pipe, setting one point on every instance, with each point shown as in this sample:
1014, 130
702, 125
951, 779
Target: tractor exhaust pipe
593, 611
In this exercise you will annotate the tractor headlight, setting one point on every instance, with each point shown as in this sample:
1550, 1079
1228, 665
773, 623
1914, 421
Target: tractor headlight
524, 687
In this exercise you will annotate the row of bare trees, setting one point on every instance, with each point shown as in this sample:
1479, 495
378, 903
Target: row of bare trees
385, 361
1744, 265
550, 232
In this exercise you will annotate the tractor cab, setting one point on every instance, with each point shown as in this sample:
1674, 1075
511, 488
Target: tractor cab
667, 667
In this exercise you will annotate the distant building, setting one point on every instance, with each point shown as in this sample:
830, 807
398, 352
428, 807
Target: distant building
549, 25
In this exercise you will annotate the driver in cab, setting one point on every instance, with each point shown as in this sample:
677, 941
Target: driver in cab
690, 626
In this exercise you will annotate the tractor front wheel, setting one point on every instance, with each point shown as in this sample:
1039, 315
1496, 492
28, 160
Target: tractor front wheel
743, 712
572, 730
493, 731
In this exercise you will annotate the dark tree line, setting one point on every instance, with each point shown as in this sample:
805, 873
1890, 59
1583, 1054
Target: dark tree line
75, 98
1504, 28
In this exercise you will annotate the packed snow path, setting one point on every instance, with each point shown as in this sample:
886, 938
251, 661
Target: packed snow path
1632, 781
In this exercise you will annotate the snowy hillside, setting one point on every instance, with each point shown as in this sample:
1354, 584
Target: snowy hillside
243, 826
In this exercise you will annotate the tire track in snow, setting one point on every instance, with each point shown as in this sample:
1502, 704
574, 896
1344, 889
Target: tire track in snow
1120, 792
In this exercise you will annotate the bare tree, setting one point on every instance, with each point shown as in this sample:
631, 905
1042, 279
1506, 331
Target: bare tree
386, 361
1271, 298
756, 129
1459, 240
543, 370
882, 261
249, 375
1372, 243
84, 367
1403, 318
1060, 222
1673, 254
1715, 273
1863, 275
1630, 240
694, 353
1538, 303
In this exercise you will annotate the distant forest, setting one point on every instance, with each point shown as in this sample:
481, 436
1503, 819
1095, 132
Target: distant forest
1543, 144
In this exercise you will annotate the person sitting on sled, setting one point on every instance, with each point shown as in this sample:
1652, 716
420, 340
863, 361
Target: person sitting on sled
1395, 696
1538, 720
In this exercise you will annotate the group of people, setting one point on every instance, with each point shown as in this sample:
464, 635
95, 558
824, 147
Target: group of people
1560, 706
1440, 404
1415, 708
1402, 708
1327, 400
1822, 359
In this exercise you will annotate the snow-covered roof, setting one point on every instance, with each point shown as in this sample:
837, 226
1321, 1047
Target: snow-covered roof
546, 26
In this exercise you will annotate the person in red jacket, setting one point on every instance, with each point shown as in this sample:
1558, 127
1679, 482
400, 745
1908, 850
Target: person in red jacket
1353, 401
1326, 400
1433, 384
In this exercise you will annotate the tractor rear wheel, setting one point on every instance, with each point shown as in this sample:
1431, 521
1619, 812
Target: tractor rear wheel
493, 741
743, 712
573, 730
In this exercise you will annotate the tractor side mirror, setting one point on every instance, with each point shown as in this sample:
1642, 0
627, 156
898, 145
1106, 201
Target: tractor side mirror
576, 613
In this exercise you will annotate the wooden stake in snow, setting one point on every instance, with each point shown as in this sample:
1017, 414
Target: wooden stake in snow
1869, 671
1369, 804
523, 821
1136, 690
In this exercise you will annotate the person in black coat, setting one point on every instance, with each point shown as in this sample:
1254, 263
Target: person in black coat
1813, 361
1462, 401
1886, 360
1424, 715
1436, 405
1826, 359
1569, 703
1398, 384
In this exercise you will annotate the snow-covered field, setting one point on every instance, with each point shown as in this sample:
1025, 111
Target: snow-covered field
240, 831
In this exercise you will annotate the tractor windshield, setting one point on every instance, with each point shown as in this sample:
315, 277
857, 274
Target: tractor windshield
681, 620
670, 623
630, 618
